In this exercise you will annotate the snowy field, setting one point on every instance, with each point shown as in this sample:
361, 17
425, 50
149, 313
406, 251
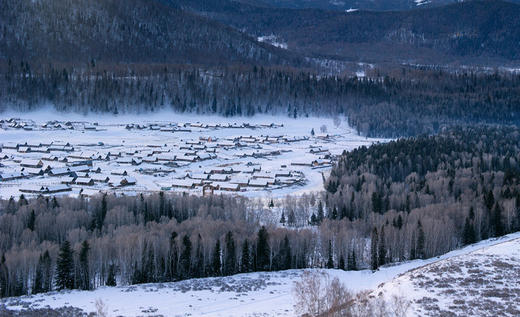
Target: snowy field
447, 282
66, 154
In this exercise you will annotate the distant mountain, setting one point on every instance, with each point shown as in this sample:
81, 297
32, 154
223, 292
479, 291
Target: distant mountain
342, 5
480, 31
130, 31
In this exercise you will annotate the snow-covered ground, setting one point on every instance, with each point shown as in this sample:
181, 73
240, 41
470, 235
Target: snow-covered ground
484, 282
111, 135
489, 263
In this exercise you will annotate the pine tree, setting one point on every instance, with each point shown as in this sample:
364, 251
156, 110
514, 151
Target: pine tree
38, 277
312, 132
246, 258
230, 261
330, 260
420, 252
185, 258
84, 276
55, 203
382, 248
65, 267
198, 268
32, 220
263, 250
47, 273
271, 203
171, 271
216, 265
282, 219
111, 278
341, 265
285, 256
498, 225
468, 235
374, 261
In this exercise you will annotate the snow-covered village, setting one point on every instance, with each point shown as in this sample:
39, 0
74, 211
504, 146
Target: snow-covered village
203, 157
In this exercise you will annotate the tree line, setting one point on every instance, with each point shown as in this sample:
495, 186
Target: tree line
389, 104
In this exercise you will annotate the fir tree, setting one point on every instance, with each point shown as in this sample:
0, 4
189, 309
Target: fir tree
65, 267
374, 260
282, 219
263, 250
171, 271
246, 258
420, 251
498, 225
341, 264
84, 276
382, 248
47, 273
216, 265
198, 268
111, 278
32, 220
230, 261
468, 235
286, 254
38, 277
185, 258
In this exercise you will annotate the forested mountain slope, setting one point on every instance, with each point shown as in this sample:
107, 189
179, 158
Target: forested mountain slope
134, 31
342, 5
480, 31
466, 179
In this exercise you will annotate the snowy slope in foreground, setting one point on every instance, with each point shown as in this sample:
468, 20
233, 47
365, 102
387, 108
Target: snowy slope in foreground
485, 282
270, 294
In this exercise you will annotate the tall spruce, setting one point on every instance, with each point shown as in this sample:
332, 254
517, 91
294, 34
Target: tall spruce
263, 251
185, 258
230, 260
216, 263
65, 267
374, 259
468, 235
245, 263
111, 277
382, 248
84, 275
420, 251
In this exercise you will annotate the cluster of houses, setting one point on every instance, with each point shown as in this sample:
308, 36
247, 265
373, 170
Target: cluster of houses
228, 163
188, 126
237, 178
29, 125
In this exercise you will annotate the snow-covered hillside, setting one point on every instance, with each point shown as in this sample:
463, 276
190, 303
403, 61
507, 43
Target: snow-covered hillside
481, 276
485, 282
